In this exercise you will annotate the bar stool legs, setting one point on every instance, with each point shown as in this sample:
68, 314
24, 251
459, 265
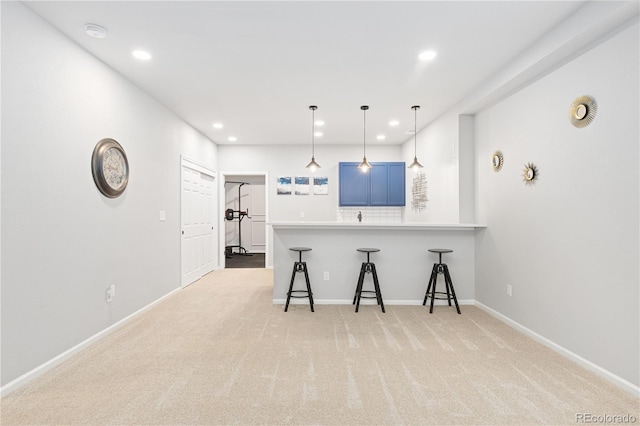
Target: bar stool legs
440, 268
299, 266
368, 267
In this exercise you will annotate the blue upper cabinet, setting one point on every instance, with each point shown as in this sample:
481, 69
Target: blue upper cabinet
383, 185
354, 185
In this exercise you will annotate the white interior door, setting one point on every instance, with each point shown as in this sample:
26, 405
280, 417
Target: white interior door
198, 247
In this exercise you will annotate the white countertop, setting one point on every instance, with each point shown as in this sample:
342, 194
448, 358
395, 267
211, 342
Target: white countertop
371, 225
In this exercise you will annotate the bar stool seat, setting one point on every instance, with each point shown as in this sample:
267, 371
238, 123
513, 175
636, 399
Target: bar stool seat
299, 266
440, 268
368, 267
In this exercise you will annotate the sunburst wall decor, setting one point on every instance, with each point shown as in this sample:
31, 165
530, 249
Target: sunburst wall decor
583, 111
497, 160
530, 173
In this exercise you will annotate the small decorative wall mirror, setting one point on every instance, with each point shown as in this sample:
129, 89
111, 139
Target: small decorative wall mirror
497, 160
530, 173
583, 111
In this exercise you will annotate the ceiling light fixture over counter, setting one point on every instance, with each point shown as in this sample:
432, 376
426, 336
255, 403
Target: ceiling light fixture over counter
416, 164
313, 166
364, 166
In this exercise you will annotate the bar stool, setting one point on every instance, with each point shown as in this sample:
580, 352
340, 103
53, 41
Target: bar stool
440, 268
299, 266
368, 267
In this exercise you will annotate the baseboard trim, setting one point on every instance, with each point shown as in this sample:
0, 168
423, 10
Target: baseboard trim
594, 368
30, 375
364, 302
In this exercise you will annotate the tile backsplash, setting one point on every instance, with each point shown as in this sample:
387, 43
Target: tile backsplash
370, 214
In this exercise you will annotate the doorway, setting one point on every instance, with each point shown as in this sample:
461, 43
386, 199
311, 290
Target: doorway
243, 238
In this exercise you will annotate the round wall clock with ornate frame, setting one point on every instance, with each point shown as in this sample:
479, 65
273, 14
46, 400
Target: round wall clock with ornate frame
583, 111
497, 161
110, 168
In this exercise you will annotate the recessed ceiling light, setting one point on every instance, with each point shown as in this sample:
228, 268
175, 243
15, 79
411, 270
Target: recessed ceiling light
232, 139
319, 123
381, 137
427, 55
95, 31
217, 125
141, 54
317, 134
394, 123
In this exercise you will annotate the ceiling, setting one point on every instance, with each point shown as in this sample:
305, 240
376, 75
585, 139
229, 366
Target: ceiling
257, 66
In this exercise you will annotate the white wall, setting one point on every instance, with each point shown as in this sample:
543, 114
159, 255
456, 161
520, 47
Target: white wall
437, 151
569, 245
63, 243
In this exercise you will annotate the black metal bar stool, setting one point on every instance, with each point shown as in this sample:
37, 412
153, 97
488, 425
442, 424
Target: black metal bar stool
299, 266
368, 267
440, 268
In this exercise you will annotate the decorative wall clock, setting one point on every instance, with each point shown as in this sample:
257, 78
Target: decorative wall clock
583, 111
497, 160
110, 168
530, 173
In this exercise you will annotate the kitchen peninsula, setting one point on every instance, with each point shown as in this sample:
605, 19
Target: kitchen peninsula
403, 263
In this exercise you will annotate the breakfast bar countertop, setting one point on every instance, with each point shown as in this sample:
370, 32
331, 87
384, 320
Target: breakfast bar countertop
375, 225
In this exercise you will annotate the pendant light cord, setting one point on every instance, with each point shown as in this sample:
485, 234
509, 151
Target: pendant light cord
313, 132
364, 132
415, 132
364, 109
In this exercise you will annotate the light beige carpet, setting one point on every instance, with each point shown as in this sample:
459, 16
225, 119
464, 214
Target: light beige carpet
219, 352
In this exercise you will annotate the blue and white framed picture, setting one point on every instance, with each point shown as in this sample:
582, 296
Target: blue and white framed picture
302, 185
283, 185
320, 185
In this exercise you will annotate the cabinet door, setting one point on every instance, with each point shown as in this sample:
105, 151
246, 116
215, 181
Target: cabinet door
379, 184
396, 184
354, 185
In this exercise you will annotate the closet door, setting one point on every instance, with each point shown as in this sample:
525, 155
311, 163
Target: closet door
198, 244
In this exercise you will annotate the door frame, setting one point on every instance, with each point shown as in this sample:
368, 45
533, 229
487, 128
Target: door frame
193, 165
221, 225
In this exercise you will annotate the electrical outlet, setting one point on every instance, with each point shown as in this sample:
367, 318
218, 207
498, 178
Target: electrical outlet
509, 290
301, 215
326, 276
111, 291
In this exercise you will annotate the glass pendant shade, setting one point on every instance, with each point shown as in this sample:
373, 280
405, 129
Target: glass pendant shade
415, 166
313, 165
364, 166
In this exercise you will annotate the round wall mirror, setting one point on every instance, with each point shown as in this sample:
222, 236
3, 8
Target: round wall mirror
497, 160
530, 173
582, 111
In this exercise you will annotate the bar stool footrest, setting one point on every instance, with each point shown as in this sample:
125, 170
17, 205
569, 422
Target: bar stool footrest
306, 293
440, 298
374, 296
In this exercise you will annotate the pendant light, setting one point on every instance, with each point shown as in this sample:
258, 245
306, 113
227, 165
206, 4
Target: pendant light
364, 166
416, 164
313, 166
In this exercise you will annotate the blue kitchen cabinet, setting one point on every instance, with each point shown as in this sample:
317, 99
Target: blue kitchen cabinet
383, 185
354, 185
